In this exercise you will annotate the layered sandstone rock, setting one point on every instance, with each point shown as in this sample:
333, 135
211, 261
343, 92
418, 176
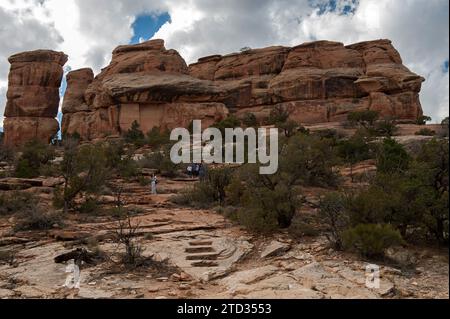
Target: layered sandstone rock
33, 96
315, 82
144, 83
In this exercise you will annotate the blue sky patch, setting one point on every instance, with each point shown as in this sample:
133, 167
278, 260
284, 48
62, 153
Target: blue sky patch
325, 6
445, 67
145, 26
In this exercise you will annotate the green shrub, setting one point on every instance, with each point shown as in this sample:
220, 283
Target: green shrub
160, 161
354, 150
423, 119
334, 215
85, 171
230, 122
16, 202
289, 127
371, 240
264, 209
392, 157
386, 127
135, 135
157, 138
34, 156
426, 132
6, 153
303, 226
89, 206
36, 219
250, 120
277, 116
365, 118
208, 192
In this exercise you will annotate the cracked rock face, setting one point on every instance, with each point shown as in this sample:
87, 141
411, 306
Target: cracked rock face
33, 96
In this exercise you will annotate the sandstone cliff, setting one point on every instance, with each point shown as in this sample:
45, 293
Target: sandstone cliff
33, 96
316, 82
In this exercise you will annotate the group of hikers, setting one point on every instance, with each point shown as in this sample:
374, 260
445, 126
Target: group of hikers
194, 170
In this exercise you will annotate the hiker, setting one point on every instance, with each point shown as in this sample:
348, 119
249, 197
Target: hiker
202, 172
154, 182
196, 170
189, 171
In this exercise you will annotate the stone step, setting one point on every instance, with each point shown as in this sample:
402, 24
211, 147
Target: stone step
201, 243
200, 249
205, 256
204, 264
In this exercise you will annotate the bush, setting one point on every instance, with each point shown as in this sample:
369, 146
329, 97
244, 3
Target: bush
160, 161
333, 213
230, 122
354, 150
208, 192
36, 219
134, 135
90, 206
264, 209
6, 153
392, 157
125, 235
34, 156
423, 119
386, 127
289, 127
371, 240
426, 132
85, 170
249, 120
16, 202
365, 119
277, 116
157, 138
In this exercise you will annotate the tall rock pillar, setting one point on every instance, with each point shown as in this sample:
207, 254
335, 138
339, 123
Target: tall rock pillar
33, 96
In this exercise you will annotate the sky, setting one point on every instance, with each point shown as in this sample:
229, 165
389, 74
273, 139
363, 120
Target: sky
88, 31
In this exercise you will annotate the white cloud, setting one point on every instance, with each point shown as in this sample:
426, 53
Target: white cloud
88, 30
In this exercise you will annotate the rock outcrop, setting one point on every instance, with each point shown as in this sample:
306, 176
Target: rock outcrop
33, 96
144, 83
315, 82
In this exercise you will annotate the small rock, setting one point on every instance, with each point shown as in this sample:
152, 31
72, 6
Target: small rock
185, 277
175, 277
184, 287
162, 279
153, 289
275, 248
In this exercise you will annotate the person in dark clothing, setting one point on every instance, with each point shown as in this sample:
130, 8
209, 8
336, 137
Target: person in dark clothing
196, 170
202, 172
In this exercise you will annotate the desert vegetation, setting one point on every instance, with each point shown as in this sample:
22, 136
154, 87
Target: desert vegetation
319, 190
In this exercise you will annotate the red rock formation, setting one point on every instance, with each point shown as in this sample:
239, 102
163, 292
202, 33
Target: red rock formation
33, 96
316, 82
